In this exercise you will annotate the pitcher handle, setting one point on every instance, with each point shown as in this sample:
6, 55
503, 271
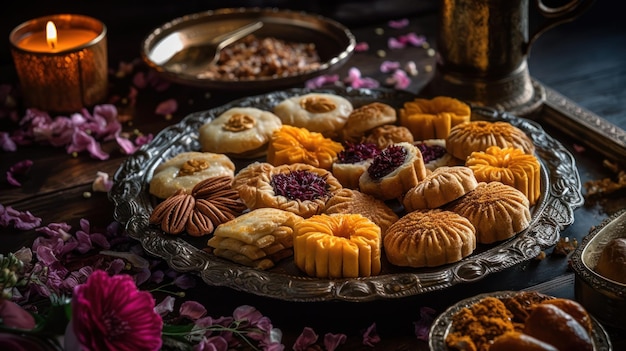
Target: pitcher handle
557, 15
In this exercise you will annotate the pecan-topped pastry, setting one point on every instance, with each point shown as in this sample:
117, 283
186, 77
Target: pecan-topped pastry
210, 203
239, 132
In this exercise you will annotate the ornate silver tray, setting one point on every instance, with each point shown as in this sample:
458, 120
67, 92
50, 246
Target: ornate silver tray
561, 189
443, 323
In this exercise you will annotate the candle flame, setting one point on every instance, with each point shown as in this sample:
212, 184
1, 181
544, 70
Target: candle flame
51, 34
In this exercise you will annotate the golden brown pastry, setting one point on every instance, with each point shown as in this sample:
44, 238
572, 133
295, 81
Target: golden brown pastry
247, 175
389, 134
429, 238
298, 145
320, 113
443, 185
552, 325
433, 118
435, 154
352, 162
496, 210
337, 246
612, 261
516, 341
298, 188
394, 171
187, 169
239, 132
476, 136
259, 238
510, 166
353, 201
365, 118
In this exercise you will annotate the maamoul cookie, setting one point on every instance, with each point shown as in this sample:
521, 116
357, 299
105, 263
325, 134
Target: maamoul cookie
389, 134
510, 166
433, 118
239, 132
479, 135
337, 246
366, 118
321, 113
259, 238
352, 161
435, 154
443, 185
429, 238
298, 188
394, 171
187, 169
247, 175
496, 210
353, 201
290, 145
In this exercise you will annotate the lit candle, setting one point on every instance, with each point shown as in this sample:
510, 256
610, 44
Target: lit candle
61, 61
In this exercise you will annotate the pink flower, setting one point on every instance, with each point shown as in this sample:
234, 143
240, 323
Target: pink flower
399, 79
356, 81
361, 46
332, 341
110, 313
307, 338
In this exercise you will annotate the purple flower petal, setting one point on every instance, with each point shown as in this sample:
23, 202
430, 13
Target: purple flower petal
389, 66
82, 141
413, 39
305, 339
192, 310
422, 326
6, 143
126, 144
394, 43
166, 306
249, 313
19, 168
370, 336
167, 107
399, 23
14, 316
332, 341
185, 281
399, 79
321, 81
361, 46
19, 220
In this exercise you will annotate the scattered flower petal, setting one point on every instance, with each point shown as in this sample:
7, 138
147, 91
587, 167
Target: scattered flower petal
305, 339
14, 316
422, 325
19, 220
102, 183
6, 143
370, 336
399, 23
413, 39
361, 46
192, 310
356, 81
394, 43
389, 66
166, 306
332, 341
321, 81
18, 169
166, 107
399, 79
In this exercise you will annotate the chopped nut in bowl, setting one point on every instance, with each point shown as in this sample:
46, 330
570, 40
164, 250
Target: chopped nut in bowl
290, 48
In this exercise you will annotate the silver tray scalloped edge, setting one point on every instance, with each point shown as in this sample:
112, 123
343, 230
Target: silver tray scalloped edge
442, 325
133, 205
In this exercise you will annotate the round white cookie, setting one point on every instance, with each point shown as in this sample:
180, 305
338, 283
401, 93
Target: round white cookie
187, 169
317, 112
239, 132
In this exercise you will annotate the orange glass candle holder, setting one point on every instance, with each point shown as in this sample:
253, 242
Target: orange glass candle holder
66, 72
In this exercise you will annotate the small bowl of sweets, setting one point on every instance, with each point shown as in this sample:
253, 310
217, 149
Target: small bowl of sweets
600, 267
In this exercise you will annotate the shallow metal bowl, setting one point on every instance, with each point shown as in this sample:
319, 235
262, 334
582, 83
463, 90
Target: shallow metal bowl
334, 43
602, 297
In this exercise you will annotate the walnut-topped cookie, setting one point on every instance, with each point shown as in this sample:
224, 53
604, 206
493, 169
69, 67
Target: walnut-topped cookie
239, 132
320, 113
187, 169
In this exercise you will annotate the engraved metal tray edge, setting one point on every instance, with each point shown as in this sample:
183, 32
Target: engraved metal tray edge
133, 206
442, 324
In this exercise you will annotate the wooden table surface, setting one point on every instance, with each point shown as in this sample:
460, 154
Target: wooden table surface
583, 60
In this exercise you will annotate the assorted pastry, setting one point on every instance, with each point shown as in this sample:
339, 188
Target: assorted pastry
340, 189
521, 321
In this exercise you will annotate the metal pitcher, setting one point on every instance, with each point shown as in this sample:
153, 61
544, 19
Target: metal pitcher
483, 46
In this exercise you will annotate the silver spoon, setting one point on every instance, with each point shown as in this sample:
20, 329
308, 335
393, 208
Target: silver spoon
195, 59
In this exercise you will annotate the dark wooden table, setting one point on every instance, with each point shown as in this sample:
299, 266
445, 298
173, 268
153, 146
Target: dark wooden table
583, 60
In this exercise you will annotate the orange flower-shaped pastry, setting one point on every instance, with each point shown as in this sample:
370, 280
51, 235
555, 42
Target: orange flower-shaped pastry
211, 203
432, 119
338, 246
291, 144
